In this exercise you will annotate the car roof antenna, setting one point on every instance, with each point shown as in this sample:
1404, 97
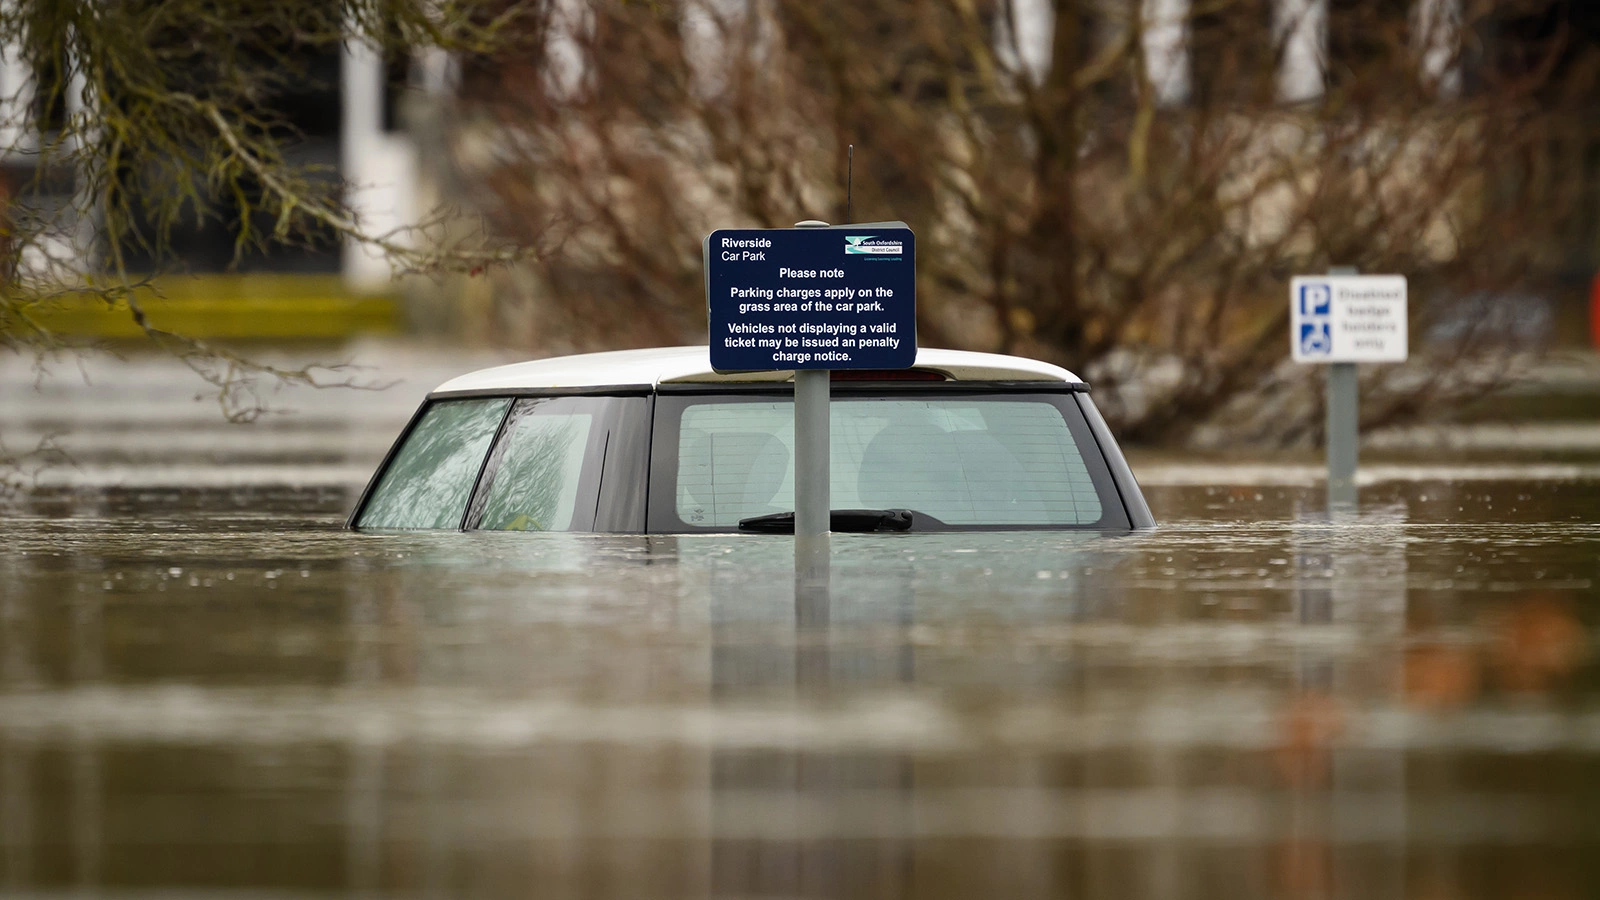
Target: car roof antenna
849, 179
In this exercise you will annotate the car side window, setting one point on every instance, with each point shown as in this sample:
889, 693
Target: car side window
427, 483
535, 486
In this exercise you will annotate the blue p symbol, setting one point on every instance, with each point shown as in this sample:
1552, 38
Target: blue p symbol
1315, 300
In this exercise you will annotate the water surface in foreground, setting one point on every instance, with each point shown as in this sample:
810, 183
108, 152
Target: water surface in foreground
1252, 701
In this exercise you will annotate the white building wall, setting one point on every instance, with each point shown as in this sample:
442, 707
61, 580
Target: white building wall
16, 96
1164, 39
1300, 32
379, 167
1024, 39
1438, 44
570, 29
724, 40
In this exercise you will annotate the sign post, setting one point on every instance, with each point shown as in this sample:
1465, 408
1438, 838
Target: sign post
813, 298
813, 476
1343, 401
1343, 319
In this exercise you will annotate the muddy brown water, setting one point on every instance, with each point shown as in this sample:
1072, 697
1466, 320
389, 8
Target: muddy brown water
219, 693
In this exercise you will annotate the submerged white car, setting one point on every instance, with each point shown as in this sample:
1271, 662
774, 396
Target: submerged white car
656, 441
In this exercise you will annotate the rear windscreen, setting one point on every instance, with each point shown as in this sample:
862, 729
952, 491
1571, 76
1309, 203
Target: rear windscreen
966, 460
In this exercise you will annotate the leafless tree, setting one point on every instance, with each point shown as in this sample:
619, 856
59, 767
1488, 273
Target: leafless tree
1071, 200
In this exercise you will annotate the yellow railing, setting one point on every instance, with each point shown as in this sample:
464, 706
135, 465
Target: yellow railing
233, 307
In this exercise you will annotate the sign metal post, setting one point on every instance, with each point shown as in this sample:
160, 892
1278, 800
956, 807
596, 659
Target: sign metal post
1342, 319
1344, 433
1343, 401
813, 467
812, 506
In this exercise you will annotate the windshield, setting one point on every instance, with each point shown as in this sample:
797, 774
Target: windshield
966, 460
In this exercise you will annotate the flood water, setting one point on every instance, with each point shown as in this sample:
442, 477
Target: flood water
198, 699
207, 689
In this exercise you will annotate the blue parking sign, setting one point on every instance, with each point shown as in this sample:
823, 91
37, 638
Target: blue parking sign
1347, 318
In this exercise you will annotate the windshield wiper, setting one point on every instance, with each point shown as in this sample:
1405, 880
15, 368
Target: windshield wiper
857, 520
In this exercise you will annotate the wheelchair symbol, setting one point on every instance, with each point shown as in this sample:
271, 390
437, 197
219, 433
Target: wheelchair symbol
1315, 339
1315, 300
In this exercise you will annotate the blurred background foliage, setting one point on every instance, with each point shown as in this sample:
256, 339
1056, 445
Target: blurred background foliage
146, 141
1123, 187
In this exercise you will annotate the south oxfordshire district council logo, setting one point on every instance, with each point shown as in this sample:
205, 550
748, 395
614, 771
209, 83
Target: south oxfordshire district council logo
869, 245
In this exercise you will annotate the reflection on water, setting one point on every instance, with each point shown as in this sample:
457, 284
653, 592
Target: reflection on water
1252, 701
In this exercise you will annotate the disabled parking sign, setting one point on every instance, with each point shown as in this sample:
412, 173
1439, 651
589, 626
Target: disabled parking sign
1348, 318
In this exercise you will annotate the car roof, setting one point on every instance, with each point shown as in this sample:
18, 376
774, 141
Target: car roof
691, 365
